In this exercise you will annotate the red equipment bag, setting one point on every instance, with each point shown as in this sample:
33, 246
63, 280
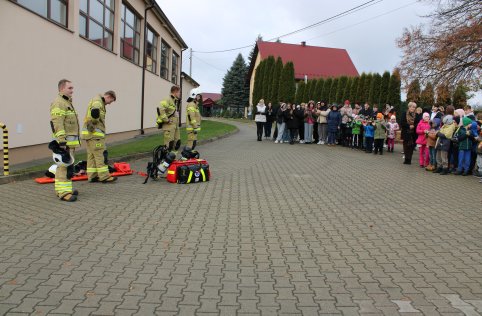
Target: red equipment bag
188, 171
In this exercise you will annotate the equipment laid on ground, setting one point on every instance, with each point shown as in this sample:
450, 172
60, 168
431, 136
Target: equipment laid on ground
121, 169
161, 160
189, 169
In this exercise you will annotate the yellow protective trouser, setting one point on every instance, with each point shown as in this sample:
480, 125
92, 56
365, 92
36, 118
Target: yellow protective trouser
171, 131
191, 137
63, 186
96, 166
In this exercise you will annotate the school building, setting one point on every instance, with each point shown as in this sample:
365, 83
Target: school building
97, 44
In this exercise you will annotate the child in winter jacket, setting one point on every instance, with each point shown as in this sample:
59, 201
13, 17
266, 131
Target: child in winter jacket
392, 128
422, 130
369, 134
431, 139
356, 126
465, 146
443, 143
380, 134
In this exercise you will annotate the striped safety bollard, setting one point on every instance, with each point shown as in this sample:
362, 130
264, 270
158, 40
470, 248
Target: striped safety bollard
5, 149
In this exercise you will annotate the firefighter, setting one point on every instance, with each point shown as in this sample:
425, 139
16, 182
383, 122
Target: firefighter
65, 128
193, 121
93, 132
168, 120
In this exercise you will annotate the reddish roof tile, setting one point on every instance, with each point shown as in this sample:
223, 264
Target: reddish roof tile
313, 61
213, 96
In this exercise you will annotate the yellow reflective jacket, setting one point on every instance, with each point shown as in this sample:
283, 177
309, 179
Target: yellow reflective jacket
64, 121
167, 109
94, 127
193, 120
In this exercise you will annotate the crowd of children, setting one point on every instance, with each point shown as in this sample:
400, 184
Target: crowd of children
447, 140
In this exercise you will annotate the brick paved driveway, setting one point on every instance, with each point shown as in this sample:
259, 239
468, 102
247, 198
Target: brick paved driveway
280, 229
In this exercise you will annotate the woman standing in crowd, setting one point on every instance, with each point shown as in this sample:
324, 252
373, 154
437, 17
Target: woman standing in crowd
292, 122
280, 122
408, 132
269, 120
300, 116
309, 120
322, 123
260, 118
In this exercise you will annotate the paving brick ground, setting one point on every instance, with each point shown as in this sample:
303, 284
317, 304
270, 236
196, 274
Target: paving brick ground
280, 229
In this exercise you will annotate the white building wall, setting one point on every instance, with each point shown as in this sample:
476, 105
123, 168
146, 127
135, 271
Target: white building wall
36, 54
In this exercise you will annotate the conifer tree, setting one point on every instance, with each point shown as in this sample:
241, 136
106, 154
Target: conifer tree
235, 90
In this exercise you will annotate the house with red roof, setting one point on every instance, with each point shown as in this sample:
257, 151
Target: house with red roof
311, 62
210, 102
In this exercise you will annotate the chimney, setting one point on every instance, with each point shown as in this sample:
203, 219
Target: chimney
303, 43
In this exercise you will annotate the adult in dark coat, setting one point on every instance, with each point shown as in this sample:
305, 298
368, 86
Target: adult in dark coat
366, 111
300, 116
292, 123
334, 121
407, 124
270, 117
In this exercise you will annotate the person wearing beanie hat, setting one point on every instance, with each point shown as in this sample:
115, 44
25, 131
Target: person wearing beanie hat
431, 139
356, 127
443, 144
464, 140
422, 130
334, 122
380, 134
392, 128
369, 135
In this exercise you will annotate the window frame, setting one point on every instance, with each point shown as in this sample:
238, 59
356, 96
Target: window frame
49, 12
168, 52
154, 60
174, 70
137, 20
105, 28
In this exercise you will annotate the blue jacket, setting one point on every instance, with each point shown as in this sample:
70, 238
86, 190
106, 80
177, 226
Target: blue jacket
334, 121
369, 131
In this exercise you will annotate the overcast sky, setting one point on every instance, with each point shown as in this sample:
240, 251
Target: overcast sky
369, 35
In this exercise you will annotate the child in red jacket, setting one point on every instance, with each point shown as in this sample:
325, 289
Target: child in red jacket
422, 130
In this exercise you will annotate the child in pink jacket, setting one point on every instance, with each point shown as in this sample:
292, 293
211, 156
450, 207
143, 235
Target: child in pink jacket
422, 130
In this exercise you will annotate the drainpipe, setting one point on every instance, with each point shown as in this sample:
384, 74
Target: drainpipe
182, 79
144, 65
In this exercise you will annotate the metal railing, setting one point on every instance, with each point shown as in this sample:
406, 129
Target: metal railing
6, 170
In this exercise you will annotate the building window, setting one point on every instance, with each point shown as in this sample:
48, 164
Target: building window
165, 60
175, 63
131, 34
151, 50
54, 10
96, 22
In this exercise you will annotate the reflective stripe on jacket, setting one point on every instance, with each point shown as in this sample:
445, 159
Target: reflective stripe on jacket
64, 121
193, 120
94, 127
167, 109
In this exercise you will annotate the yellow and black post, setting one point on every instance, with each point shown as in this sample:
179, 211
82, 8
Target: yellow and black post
5, 149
